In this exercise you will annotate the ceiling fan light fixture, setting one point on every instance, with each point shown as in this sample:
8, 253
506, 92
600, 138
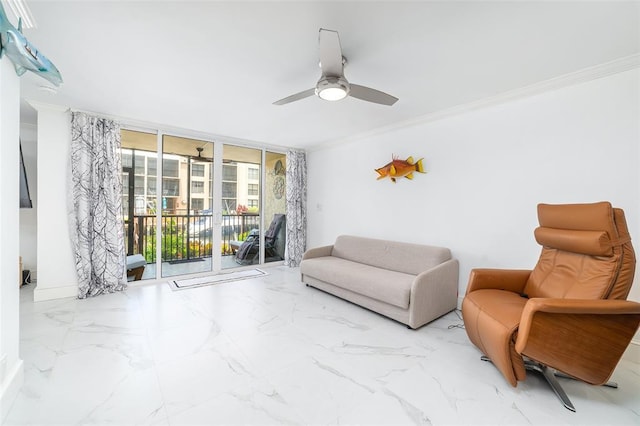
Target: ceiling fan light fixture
332, 88
332, 93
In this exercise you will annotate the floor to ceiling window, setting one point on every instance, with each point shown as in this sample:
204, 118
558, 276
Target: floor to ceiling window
172, 217
139, 171
187, 206
241, 219
275, 206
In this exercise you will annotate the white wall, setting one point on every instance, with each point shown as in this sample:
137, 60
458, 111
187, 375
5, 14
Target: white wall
487, 171
11, 366
56, 266
28, 217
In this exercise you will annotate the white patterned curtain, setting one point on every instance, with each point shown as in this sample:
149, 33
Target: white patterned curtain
296, 207
97, 231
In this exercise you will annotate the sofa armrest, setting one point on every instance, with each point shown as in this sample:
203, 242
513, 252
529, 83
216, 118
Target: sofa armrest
498, 279
317, 252
583, 338
434, 293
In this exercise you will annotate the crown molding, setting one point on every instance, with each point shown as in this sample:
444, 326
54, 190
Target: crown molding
155, 128
44, 106
595, 72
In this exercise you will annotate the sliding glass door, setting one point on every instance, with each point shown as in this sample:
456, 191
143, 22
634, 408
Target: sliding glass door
139, 156
275, 206
194, 206
187, 206
241, 219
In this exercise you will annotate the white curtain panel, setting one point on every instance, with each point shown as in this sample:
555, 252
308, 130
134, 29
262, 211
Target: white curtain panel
97, 230
296, 207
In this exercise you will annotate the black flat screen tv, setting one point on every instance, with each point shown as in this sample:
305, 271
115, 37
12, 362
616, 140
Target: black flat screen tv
25, 198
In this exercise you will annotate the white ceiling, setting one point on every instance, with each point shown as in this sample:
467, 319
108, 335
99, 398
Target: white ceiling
216, 67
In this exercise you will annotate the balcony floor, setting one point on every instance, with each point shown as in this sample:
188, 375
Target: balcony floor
170, 269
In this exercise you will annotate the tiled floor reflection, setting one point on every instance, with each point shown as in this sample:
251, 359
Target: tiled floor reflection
272, 351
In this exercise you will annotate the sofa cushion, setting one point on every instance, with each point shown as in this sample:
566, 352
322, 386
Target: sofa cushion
381, 284
394, 256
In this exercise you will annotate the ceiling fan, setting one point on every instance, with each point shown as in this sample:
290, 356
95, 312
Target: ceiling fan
332, 85
200, 158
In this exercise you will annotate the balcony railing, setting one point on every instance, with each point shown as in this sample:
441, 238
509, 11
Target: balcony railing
188, 237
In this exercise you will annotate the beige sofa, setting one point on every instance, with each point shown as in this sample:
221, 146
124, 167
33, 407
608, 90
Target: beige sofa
410, 283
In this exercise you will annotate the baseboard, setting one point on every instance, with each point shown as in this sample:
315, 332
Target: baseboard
10, 388
41, 294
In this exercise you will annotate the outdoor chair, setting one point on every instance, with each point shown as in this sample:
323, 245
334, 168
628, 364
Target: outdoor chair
248, 252
135, 266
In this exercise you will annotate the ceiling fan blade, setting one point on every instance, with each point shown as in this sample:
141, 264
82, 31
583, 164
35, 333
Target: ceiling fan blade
296, 97
371, 95
330, 53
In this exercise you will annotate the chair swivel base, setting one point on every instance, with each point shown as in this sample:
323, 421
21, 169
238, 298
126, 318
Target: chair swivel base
550, 376
557, 373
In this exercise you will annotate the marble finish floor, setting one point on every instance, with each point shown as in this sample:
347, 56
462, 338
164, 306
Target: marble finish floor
271, 351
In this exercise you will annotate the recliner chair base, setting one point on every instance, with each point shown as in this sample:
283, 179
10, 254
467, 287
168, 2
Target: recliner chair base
550, 376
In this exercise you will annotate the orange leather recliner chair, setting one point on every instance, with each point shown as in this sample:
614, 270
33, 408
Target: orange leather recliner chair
570, 313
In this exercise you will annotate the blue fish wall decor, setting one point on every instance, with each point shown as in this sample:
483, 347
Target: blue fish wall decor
23, 54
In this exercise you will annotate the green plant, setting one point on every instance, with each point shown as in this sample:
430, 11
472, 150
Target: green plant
173, 244
225, 248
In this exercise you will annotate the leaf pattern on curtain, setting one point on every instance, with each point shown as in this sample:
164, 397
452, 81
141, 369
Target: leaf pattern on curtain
97, 228
296, 197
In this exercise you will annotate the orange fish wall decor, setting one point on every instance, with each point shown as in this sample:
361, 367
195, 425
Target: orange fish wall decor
400, 168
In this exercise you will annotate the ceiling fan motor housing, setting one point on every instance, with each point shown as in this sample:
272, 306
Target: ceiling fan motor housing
332, 88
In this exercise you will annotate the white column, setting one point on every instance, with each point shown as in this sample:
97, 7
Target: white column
218, 153
11, 366
56, 266
28, 217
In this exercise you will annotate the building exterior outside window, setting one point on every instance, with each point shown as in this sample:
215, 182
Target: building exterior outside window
197, 187
197, 204
253, 173
197, 170
240, 184
229, 187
